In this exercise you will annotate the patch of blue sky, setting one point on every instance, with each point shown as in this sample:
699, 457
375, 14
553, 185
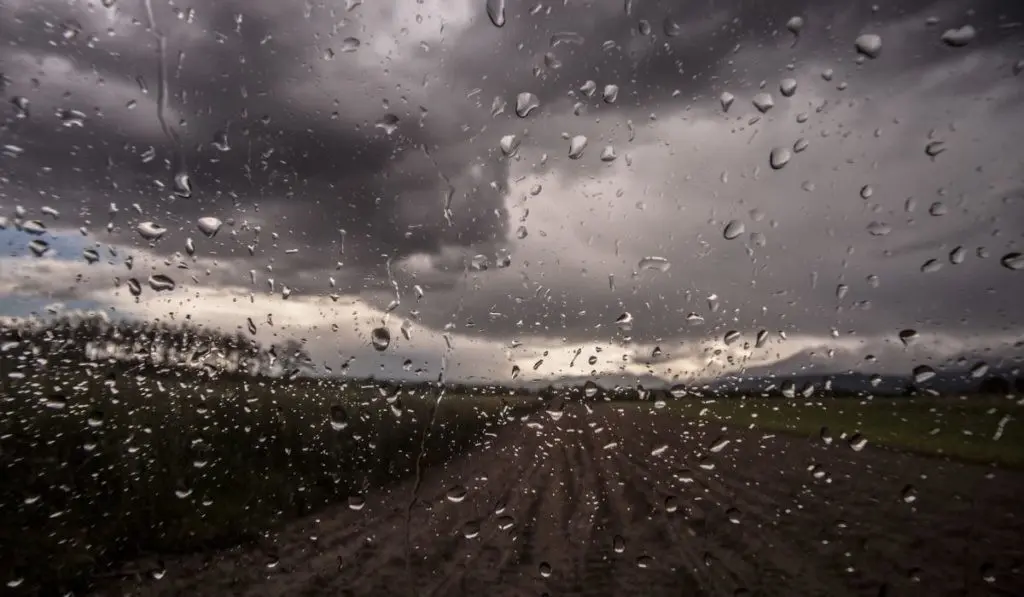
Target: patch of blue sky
65, 244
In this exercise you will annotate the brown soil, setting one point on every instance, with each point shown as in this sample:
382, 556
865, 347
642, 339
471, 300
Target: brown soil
552, 496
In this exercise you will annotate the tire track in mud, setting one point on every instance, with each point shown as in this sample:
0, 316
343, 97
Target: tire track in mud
560, 492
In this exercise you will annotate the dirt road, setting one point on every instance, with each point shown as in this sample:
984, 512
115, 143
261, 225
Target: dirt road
622, 501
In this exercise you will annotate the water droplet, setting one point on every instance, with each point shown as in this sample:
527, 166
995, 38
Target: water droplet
576, 146
526, 102
733, 515
644, 562
91, 255
1012, 261
868, 44
380, 338
544, 569
209, 225
731, 337
496, 12
644, 27
779, 157
959, 37
931, 266
866, 191
619, 544
670, 27
826, 436
608, 154
879, 229
22, 106
150, 231
923, 373
610, 93
471, 529
934, 148
356, 502
763, 102
979, 370
388, 123
71, 118
134, 287
339, 418
161, 283
726, 100
908, 336
590, 389
800, 144
957, 255
35, 227
654, 263
841, 291
220, 141
456, 494
909, 494
795, 25
787, 87
858, 442
350, 44
719, 444
183, 185
733, 229
566, 37
509, 145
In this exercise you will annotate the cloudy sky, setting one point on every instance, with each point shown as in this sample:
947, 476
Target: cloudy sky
363, 154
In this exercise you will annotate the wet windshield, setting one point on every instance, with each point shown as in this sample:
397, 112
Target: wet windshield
559, 297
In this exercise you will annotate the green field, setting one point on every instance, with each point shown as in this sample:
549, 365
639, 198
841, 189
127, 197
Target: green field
101, 466
961, 428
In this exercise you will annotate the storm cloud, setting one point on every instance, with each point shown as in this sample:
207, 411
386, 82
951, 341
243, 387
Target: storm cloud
372, 152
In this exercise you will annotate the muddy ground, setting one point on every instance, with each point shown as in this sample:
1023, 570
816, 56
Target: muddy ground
624, 501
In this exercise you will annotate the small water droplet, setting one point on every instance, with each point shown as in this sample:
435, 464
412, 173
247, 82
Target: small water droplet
644, 562
183, 185
509, 145
931, 266
590, 389
619, 544
610, 93
866, 191
909, 494
800, 144
350, 44
879, 229
957, 255
858, 442
908, 336
339, 418
544, 569
731, 337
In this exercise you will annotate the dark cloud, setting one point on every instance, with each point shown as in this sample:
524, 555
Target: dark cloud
318, 190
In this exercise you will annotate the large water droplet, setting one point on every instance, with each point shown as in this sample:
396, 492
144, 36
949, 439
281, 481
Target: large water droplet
959, 37
161, 283
339, 418
134, 287
150, 231
39, 247
618, 544
576, 146
654, 263
509, 145
858, 442
350, 44
731, 337
879, 229
868, 44
726, 100
209, 225
590, 389
456, 494
923, 373
526, 102
388, 123
795, 24
733, 229
544, 569
183, 185
380, 338
779, 157
763, 102
610, 93
496, 12
1013, 261
787, 87
908, 336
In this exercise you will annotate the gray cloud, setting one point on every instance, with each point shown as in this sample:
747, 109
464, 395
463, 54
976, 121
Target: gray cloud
333, 195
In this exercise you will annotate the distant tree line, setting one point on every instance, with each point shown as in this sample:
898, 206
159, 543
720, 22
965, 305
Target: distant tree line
92, 336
